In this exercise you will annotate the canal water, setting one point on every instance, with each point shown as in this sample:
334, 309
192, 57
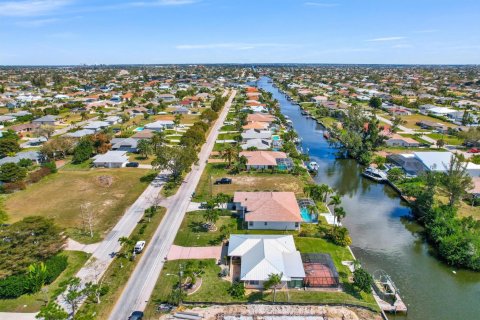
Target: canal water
383, 233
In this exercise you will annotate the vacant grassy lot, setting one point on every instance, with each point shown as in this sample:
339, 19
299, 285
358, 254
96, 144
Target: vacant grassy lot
245, 181
32, 303
60, 196
411, 121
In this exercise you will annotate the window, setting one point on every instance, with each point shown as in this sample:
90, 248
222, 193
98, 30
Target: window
254, 282
266, 223
250, 223
296, 224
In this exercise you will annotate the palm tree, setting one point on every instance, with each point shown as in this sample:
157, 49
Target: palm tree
177, 120
335, 200
272, 282
158, 140
338, 213
229, 153
211, 216
145, 147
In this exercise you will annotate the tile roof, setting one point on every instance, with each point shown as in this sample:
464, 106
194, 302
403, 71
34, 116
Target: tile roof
269, 206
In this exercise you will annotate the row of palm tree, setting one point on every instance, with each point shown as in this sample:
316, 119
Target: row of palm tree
322, 193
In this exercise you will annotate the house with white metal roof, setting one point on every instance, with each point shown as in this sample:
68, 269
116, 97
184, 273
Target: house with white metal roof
254, 257
111, 159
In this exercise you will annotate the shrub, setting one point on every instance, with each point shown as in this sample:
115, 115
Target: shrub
13, 186
25, 163
37, 175
51, 165
55, 266
339, 236
237, 289
362, 280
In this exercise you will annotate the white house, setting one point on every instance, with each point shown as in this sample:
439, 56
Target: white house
397, 140
111, 159
254, 257
160, 125
96, 125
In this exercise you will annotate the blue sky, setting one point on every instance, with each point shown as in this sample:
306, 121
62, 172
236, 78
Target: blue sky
56, 32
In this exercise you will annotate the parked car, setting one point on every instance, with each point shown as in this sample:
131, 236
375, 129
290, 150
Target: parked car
474, 150
136, 315
139, 246
224, 181
203, 205
132, 164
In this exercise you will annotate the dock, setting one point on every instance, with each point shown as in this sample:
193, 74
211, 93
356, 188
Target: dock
398, 307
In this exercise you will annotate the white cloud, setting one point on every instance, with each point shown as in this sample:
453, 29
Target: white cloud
29, 8
37, 22
231, 46
159, 3
402, 46
321, 4
386, 39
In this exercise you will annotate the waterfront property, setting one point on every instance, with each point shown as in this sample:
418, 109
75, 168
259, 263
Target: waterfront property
267, 160
254, 257
268, 210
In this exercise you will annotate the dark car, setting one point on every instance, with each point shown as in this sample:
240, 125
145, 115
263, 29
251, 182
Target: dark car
132, 165
224, 181
136, 315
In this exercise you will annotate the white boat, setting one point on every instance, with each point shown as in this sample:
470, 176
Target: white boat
375, 174
313, 166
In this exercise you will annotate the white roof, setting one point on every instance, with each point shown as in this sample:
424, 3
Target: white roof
441, 110
111, 157
262, 255
159, 124
440, 161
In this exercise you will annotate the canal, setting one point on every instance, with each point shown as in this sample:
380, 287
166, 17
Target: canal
384, 236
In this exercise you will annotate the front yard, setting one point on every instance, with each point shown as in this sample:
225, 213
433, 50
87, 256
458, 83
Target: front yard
109, 192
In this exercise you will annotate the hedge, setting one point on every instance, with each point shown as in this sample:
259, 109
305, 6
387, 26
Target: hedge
14, 286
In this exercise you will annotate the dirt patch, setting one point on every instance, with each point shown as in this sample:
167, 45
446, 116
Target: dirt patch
104, 181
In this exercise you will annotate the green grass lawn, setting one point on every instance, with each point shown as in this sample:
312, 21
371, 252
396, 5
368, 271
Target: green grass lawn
193, 234
228, 136
447, 138
228, 127
246, 181
33, 302
411, 120
85, 166
119, 271
416, 138
61, 195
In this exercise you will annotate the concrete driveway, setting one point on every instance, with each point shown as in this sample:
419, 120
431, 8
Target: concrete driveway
180, 253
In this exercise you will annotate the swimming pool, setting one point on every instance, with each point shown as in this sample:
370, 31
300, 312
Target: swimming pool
275, 137
138, 129
307, 216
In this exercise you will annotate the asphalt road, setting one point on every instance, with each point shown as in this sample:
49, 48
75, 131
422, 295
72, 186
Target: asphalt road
142, 281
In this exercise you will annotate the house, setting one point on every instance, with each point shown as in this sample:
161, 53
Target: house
113, 120
24, 127
258, 144
260, 117
35, 156
180, 110
425, 124
266, 160
144, 134
268, 210
166, 97
160, 125
111, 159
46, 120
80, 133
440, 161
255, 125
254, 257
96, 125
319, 99
397, 140
7, 118
256, 134
122, 144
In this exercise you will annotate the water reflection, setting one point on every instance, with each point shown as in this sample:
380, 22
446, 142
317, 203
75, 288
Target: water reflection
384, 236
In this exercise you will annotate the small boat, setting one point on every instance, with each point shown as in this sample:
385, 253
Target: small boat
304, 113
312, 166
326, 135
375, 174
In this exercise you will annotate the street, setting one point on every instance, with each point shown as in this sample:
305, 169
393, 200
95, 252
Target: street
142, 281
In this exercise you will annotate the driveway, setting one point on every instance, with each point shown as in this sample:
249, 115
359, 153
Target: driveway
139, 288
181, 253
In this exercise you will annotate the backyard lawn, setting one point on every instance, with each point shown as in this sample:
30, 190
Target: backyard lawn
108, 191
245, 181
452, 140
33, 302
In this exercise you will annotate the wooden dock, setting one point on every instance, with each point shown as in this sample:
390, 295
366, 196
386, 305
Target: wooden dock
398, 307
